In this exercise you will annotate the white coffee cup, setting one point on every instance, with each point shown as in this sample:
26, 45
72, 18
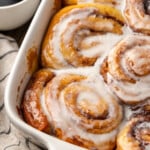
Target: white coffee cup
15, 15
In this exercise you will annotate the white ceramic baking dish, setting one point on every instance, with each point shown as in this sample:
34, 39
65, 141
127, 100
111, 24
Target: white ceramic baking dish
20, 76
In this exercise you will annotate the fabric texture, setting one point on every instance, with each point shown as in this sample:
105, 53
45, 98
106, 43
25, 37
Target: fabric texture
10, 137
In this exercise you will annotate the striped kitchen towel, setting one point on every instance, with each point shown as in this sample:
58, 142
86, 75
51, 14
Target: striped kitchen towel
10, 137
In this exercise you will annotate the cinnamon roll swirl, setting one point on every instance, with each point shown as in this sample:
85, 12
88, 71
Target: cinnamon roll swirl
73, 107
127, 69
137, 15
81, 113
79, 34
135, 135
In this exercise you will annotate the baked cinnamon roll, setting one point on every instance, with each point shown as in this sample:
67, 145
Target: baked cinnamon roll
135, 135
137, 15
126, 70
81, 111
74, 108
79, 34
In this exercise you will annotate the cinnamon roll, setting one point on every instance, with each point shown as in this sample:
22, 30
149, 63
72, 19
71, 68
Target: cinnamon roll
126, 70
31, 104
74, 108
137, 15
81, 111
135, 135
78, 35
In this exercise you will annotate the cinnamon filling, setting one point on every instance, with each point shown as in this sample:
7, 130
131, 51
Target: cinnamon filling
141, 132
147, 6
141, 109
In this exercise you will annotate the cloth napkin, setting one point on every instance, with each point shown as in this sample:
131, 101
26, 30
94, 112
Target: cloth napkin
10, 137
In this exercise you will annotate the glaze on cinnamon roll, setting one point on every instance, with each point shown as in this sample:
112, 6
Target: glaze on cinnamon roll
81, 111
126, 70
135, 135
31, 104
137, 15
73, 107
78, 35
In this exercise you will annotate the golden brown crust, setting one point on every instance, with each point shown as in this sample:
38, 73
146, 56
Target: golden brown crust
31, 105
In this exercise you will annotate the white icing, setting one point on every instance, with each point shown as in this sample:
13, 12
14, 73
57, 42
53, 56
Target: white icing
66, 119
133, 55
76, 24
144, 125
147, 147
135, 17
127, 90
102, 47
62, 26
128, 113
32, 108
91, 97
